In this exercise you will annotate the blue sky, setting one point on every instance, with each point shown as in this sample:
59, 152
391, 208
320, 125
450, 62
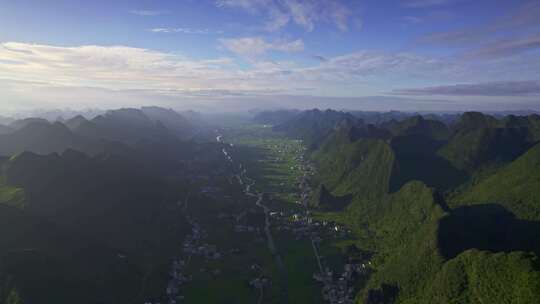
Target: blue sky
413, 55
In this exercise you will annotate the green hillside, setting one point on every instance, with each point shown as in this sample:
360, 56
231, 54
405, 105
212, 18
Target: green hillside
314, 125
480, 141
515, 186
410, 266
418, 125
416, 159
405, 227
411, 230
361, 167
11, 196
482, 277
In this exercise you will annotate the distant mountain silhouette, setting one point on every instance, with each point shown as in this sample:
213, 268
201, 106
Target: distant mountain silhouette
124, 126
275, 117
172, 120
5, 129
75, 122
21, 123
314, 125
40, 137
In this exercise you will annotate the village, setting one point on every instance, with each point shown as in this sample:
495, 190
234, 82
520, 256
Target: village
301, 224
296, 221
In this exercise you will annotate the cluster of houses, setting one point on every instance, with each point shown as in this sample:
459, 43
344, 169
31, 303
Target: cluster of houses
177, 279
340, 290
192, 244
259, 283
177, 275
303, 226
191, 247
229, 158
247, 228
239, 222
336, 289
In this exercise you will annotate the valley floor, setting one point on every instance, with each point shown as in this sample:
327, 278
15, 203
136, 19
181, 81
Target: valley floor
254, 240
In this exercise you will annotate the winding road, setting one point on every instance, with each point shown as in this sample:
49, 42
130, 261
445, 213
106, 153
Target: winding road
267, 227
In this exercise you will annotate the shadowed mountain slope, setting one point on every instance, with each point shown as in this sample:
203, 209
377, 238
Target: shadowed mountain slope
515, 186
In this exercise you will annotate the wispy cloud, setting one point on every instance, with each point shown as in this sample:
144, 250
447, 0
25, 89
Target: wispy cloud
305, 13
251, 47
427, 3
508, 88
413, 19
506, 36
184, 31
149, 13
506, 47
526, 17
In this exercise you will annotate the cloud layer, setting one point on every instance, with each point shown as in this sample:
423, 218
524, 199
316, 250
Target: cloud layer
512, 34
509, 88
251, 47
304, 13
123, 75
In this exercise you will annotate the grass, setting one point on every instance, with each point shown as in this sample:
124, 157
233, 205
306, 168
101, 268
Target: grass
272, 159
11, 196
301, 264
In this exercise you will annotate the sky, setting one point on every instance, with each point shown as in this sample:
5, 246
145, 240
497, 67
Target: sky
229, 55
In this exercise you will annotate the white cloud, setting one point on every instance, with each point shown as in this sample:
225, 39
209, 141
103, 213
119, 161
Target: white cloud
251, 47
184, 31
149, 13
34, 74
305, 13
506, 88
110, 67
413, 19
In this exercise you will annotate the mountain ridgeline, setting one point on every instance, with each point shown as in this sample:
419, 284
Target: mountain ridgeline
442, 208
449, 207
89, 208
99, 134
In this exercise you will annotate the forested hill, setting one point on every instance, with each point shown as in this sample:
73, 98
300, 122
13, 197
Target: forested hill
516, 186
89, 208
450, 208
99, 134
444, 156
85, 226
314, 125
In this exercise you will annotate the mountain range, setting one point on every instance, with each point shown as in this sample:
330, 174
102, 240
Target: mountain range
448, 207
